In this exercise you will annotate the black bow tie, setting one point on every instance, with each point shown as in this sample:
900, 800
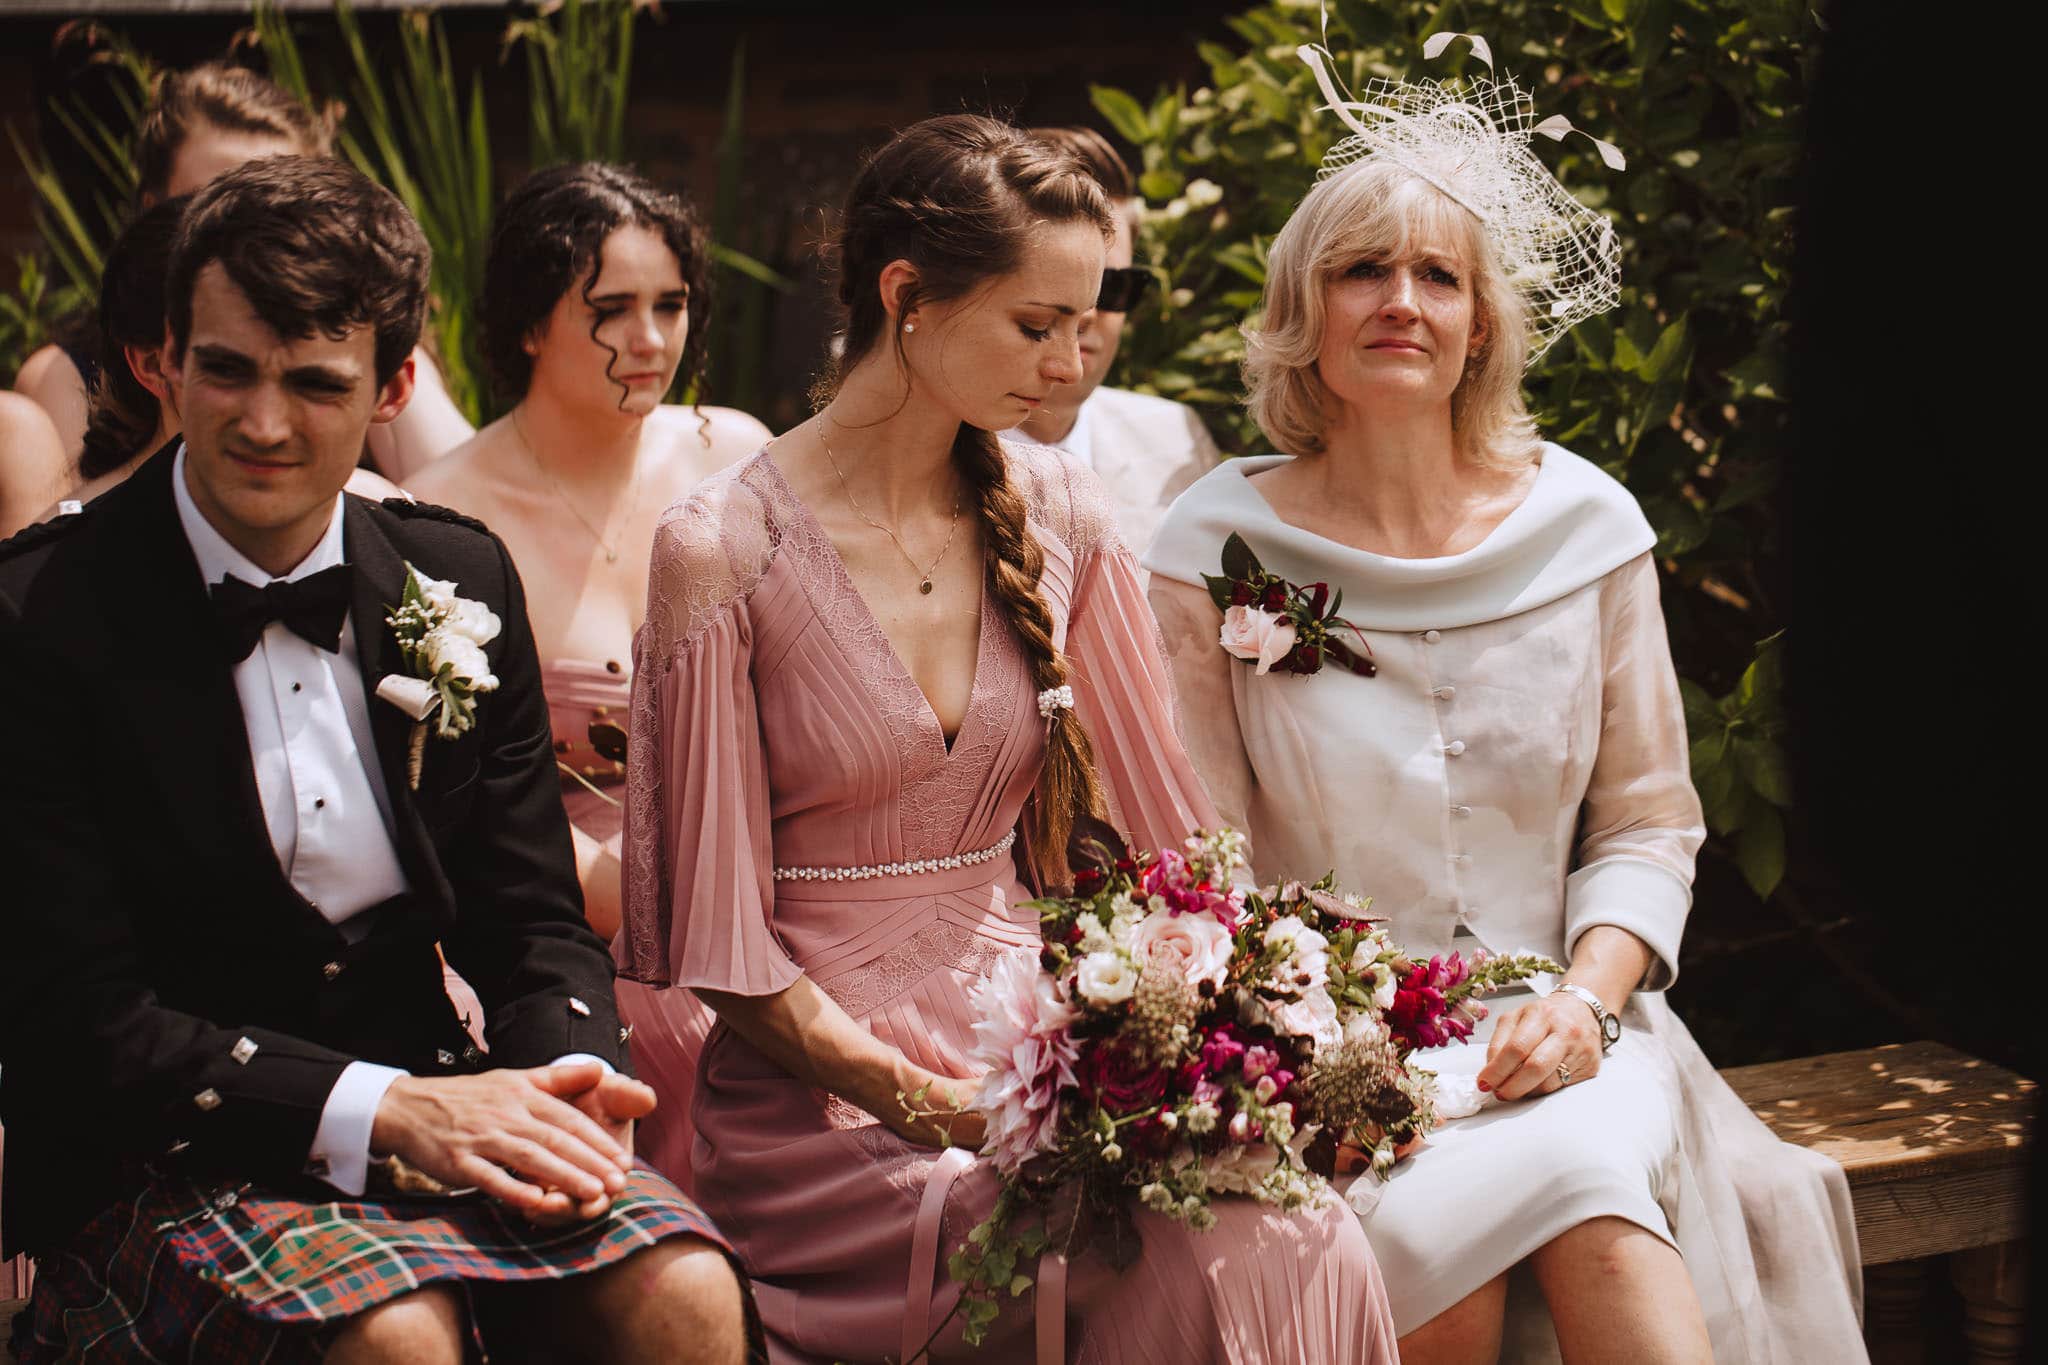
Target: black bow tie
312, 608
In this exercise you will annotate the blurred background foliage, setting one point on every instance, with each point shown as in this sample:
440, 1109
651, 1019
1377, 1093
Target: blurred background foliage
1679, 393
409, 118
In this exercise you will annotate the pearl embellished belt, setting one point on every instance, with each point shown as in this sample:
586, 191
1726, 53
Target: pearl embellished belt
910, 869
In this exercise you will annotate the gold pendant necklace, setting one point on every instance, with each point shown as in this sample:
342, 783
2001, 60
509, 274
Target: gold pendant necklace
924, 575
611, 553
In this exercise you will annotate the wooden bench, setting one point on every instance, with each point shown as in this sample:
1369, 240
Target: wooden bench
1934, 1143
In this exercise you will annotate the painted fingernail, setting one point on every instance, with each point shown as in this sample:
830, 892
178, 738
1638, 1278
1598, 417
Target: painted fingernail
1484, 1086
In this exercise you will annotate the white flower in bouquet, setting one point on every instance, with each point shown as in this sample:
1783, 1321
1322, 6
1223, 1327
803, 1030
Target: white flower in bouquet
1364, 1027
1242, 1167
1106, 978
1094, 938
1313, 1015
1198, 945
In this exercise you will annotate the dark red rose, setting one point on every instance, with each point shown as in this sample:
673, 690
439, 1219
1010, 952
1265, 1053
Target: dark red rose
1276, 597
1122, 1083
1241, 594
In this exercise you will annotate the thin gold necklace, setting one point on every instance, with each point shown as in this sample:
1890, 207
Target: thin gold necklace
924, 575
611, 554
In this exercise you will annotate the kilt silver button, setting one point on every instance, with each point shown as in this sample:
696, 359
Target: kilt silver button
470, 1053
626, 1034
578, 1007
331, 970
207, 1099
444, 1057
243, 1050
226, 1201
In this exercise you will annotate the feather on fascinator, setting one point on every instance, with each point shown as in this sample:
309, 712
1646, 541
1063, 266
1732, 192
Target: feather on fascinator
1471, 139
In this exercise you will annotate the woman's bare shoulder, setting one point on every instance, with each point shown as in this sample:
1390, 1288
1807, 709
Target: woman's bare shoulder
703, 441
460, 479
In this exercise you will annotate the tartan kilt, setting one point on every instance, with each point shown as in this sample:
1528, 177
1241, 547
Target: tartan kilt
235, 1273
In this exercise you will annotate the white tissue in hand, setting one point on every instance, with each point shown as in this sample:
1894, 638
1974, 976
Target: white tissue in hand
1459, 1097
1364, 1194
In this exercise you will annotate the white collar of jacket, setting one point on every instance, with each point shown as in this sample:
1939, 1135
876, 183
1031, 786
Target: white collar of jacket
1575, 527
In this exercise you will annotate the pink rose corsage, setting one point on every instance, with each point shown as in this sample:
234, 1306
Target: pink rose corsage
1273, 623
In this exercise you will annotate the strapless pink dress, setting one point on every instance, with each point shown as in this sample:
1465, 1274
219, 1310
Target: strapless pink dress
587, 707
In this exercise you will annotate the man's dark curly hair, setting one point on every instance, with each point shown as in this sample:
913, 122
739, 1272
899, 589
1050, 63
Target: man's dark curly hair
315, 246
549, 237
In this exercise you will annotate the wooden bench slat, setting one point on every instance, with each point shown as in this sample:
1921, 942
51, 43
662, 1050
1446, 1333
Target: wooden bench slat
1900, 1112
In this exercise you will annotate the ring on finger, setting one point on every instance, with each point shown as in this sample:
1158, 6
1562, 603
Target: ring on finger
1564, 1074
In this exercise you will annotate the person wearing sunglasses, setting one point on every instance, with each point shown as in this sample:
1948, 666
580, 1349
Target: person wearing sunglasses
1144, 449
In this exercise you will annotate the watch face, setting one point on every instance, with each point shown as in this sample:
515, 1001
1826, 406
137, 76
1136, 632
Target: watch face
1610, 1028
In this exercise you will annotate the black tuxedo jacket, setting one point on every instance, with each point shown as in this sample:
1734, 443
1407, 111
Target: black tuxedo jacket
146, 928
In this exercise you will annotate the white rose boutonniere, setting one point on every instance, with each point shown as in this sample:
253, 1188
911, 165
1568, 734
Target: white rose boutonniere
441, 638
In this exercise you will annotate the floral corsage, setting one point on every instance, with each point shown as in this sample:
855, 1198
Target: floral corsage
1277, 624
441, 637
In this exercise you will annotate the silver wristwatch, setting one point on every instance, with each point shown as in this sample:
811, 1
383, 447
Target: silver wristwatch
1610, 1024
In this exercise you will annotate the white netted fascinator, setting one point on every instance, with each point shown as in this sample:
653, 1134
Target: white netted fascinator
1471, 139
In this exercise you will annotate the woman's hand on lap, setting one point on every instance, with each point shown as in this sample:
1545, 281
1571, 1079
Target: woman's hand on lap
1529, 1045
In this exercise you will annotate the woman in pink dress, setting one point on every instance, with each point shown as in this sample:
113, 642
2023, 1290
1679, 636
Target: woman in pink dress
849, 770
595, 305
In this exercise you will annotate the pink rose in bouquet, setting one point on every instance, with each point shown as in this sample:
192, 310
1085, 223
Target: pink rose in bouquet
1199, 947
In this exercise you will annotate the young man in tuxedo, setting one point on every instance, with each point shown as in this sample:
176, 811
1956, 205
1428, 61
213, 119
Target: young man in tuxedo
242, 1116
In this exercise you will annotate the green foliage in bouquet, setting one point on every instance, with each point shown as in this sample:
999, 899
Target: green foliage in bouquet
1679, 393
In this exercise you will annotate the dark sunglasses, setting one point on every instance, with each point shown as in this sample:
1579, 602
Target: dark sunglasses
1122, 287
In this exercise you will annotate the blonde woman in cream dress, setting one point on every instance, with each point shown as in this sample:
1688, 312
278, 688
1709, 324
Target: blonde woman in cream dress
1514, 777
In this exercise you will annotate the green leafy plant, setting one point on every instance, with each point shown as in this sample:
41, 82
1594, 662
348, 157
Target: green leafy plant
29, 311
579, 71
1679, 392
431, 145
77, 236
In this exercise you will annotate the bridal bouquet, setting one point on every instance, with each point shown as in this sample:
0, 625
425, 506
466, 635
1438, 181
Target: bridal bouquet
1178, 1036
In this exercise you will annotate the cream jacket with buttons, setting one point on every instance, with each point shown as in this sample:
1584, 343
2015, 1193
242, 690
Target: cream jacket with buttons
1517, 767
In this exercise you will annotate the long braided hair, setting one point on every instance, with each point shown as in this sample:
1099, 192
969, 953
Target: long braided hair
957, 196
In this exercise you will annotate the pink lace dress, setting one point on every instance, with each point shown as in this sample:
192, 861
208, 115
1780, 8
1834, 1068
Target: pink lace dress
774, 727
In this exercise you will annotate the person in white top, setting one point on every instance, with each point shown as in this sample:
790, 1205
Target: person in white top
1510, 775
1144, 449
243, 1119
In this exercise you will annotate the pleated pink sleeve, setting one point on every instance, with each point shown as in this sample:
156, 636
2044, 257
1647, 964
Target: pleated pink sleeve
1123, 689
699, 861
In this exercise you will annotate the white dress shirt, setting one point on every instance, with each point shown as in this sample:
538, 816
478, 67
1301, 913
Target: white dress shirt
328, 815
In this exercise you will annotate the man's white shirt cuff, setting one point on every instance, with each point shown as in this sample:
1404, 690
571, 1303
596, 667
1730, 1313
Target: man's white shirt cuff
341, 1145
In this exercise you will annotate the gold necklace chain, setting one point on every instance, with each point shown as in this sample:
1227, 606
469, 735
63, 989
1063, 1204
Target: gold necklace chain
611, 554
924, 575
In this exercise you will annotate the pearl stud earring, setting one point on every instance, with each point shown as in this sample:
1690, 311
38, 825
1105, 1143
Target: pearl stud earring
910, 327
